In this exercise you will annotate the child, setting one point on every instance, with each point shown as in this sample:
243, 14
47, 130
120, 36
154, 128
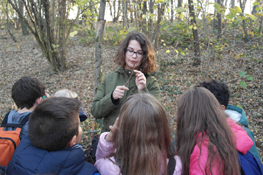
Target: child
136, 59
27, 93
221, 92
69, 94
141, 137
207, 141
52, 146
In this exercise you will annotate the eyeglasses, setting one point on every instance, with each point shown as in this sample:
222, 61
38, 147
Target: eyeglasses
139, 53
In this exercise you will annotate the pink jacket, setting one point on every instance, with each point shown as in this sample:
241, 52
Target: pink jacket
106, 167
198, 159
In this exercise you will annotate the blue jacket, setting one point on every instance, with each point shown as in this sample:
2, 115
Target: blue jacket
244, 121
28, 159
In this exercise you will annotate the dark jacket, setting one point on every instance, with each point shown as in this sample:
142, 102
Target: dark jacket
29, 159
105, 107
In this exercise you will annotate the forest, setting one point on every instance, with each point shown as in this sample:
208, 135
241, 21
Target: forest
71, 44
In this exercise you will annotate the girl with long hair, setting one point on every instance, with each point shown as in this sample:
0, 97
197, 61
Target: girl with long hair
136, 60
207, 141
139, 142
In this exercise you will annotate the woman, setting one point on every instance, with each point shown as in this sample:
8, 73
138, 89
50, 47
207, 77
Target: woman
141, 138
207, 141
136, 59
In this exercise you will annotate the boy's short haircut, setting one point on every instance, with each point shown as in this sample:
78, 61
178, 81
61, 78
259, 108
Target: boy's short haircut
54, 122
26, 91
220, 90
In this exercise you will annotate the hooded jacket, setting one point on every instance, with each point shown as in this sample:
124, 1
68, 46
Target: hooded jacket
238, 115
104, 106
106, 166
28, 159
199, 157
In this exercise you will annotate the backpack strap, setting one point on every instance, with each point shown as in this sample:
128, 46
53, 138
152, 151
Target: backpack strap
171, 166
6, 121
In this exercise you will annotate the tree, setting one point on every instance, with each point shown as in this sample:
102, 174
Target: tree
244, 26
51, 29
219, 20
197, 60
172, 10
23, 26
155, 37
99, 36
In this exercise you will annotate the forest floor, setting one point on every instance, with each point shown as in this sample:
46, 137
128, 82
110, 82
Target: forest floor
175, 75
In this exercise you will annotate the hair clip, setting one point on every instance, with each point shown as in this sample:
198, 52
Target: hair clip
44, 96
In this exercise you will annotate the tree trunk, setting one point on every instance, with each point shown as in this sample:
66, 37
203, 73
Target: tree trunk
124, 14
172, 11
219, 22
260, 25
61, 64
197, 60
244, 26
99, 36
179, 4
23, 26
7, 25
155, 38
114, 10
118, 12
232, 3
92, 15
150, 22
144, 11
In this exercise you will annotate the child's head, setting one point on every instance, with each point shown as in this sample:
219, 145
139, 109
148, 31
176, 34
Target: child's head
199, 113
220, 90
143, 133
66, 93
54, 124
26, 91
148, 61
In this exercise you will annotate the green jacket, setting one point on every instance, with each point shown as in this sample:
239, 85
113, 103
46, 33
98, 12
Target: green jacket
105, 107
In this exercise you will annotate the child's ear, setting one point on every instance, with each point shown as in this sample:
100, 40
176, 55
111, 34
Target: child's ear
72, 141
39, 100
223, 107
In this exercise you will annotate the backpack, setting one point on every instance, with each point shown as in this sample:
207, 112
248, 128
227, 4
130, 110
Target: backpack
249, 164
9, 139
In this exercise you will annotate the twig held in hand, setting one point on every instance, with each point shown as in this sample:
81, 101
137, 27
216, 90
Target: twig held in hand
130, 76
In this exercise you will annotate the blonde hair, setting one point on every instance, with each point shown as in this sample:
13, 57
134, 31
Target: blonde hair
66, 93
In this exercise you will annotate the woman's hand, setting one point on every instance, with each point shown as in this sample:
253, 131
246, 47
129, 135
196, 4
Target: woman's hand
112, 135
140, 80
119, 92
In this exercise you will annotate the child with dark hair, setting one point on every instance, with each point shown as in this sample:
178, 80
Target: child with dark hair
136, 60
52, 146
222, 93
207, 141
139, 142
27, 93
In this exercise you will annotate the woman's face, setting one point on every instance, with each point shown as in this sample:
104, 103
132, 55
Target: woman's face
134, 55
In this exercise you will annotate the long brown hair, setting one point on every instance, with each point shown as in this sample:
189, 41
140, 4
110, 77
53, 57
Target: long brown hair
143, 139
148, 64
200, 112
